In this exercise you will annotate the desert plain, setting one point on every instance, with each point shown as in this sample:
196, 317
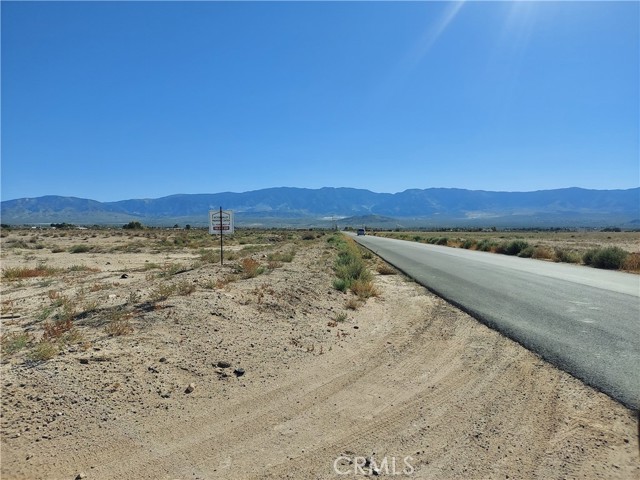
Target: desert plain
136, 354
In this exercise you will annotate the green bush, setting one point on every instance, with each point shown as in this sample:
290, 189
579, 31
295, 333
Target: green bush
485, 245
611, 258
340, 284
514, 247
349, 266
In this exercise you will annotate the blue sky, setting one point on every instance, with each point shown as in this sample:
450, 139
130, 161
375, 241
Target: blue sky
118, 100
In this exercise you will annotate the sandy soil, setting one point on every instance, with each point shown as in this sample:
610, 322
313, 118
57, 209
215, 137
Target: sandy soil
410, 383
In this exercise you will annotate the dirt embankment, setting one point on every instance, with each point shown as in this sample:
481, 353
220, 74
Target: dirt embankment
285, 381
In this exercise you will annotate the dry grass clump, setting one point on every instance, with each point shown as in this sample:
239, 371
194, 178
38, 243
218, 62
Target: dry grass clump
226, 280
353, 303
632, 262
20, 273
542, 252
162, 292
386, 269
185, 287
364, 289
43, 350
54, 330
209, 256
250, 268
119, 326
567, 256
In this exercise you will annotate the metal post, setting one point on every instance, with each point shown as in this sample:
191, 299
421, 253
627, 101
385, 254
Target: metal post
221, 254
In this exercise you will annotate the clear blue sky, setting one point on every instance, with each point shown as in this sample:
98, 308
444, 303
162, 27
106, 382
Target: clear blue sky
118, 100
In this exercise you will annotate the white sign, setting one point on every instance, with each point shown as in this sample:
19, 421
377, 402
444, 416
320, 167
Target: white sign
220, 221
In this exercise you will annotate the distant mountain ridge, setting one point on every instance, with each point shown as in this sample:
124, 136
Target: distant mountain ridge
431, 206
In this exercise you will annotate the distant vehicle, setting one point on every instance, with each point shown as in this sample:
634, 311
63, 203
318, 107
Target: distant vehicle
361, 231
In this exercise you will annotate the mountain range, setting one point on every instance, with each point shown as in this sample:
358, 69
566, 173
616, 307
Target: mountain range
286, 206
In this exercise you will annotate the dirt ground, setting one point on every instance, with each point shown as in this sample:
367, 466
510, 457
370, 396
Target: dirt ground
175, 367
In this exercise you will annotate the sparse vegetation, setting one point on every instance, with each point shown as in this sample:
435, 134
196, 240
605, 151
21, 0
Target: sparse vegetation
341, 317
351, 270
250, 268
286, 257
43, 351
20, 273
118, 327
185, 287
14, 342
162, 292
567, 256
558, 245
80, 248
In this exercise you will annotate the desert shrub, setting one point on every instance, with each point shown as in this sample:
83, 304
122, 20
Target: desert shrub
566, 256
118, 327
185, 287
611, 258
80, 249
469, 243
385, 269
367, 255
438, 240
485, 245
340, 284
364, 289
223, 282
54, 330
281, 256
527, 252
82, 268
209, 256
500, 248
353, 303
514, 247
352, 272
170, 269
543, 253
341, 317
632, 262
162, 292
250, 268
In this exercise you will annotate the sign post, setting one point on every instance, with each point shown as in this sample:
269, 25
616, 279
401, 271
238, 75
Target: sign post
221, 222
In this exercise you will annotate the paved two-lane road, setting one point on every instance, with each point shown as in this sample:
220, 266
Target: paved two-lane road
583, 320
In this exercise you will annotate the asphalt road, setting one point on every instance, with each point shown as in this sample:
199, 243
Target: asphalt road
583, 320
